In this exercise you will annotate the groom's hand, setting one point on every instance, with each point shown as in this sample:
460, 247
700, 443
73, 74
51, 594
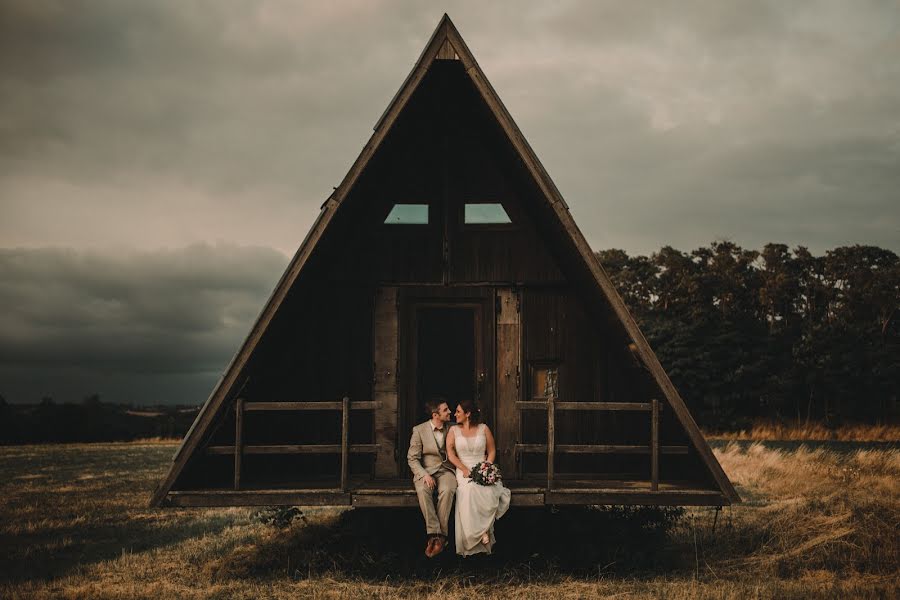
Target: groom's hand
429, 481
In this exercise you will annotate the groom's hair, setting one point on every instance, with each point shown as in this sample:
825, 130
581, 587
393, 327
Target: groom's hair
433, 404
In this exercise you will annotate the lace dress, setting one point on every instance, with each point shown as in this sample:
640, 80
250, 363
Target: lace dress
477, 506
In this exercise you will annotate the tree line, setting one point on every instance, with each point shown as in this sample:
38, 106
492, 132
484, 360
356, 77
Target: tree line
91, 420
776, 333
744, 334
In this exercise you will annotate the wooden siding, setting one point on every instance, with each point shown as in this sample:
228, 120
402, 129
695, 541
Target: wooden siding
443, 152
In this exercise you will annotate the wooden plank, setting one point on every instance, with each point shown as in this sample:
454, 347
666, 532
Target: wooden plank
376, 501
604, 406
238, 440
530, 497
519, 486
634, 485
551, 439
345, 442
531, 405
327, 405
660, 498
532, 478
385, 351
634, 491
654, 446
407, 490
508, 377
527, 499
455, 285
599, 449
297, 449
600, 406
362, 500
257, 498
447, 52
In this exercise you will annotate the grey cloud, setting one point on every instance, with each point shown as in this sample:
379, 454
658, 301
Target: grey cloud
233, 120
102, 316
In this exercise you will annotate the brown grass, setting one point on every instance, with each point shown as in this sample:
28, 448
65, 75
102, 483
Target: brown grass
814, 510
815, 523
774, 431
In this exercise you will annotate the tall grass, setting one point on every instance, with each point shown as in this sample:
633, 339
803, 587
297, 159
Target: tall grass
813, 510
772, 430
73, 524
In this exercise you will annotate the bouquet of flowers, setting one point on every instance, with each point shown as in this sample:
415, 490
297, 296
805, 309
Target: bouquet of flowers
485, 473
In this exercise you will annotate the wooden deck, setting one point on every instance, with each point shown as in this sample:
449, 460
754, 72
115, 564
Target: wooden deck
542, 489
400, 493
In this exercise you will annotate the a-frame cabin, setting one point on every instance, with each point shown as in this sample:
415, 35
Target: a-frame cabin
446, 262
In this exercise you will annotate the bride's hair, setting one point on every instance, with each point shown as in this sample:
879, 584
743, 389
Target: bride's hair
469, 406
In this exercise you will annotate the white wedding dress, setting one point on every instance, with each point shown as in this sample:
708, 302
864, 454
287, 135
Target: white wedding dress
477, 506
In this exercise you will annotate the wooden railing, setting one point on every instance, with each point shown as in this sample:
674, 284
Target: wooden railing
551, 405
344, 448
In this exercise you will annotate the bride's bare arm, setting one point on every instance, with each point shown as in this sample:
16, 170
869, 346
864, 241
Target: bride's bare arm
451, 452
490, 448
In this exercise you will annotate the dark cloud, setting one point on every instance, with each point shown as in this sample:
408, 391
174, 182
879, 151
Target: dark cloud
77, 322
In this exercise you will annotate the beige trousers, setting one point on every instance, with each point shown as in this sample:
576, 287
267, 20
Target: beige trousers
437, 515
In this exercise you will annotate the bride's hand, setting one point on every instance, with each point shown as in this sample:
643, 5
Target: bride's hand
466, 473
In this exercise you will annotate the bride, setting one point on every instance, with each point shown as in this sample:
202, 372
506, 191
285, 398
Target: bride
477, 506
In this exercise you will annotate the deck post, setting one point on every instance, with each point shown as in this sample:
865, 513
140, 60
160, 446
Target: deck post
345, 441
654, 445
238, 440
507, 310
551, 439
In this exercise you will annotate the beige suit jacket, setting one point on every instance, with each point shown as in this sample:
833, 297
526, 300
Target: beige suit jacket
424, 456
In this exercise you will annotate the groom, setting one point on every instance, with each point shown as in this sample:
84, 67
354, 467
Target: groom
433, 473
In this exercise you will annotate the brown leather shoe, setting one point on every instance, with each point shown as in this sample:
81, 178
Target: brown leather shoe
439, 544
429, 547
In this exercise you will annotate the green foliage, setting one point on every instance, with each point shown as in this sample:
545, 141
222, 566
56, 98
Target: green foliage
775, 333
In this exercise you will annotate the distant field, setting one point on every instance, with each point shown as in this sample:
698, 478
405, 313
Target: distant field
815, 523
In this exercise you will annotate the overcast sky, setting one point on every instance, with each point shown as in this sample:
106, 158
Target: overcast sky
159, 160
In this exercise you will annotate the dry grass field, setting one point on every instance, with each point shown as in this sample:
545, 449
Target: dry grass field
764, 430
815, 523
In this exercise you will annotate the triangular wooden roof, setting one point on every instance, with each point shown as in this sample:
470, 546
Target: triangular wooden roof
445, 42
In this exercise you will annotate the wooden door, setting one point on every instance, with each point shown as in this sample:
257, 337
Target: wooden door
470, 376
